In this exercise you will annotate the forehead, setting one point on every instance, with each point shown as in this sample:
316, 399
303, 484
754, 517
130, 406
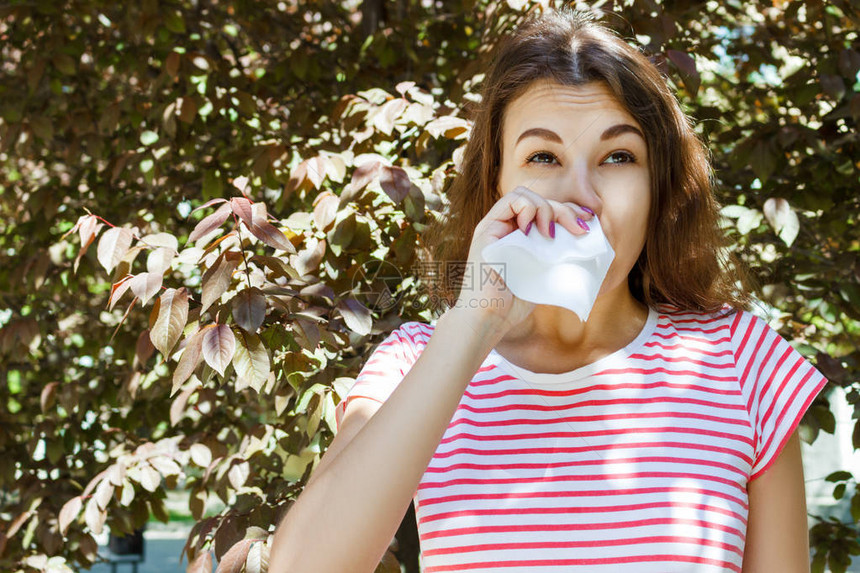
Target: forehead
549, 104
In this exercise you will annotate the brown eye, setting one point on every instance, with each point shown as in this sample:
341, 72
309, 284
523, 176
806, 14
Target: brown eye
539, 154
617, 157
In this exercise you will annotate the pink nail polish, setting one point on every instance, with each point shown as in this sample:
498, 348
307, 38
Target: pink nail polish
583, 225
552, 229
529, 227
587, 210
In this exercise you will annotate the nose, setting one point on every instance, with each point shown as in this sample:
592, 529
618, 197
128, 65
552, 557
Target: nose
577, 186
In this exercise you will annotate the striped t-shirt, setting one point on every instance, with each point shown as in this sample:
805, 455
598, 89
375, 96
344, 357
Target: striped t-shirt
637, 462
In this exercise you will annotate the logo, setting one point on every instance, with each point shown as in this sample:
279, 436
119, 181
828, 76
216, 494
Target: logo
375, 284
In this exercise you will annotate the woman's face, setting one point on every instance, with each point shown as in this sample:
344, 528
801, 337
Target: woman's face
579, 144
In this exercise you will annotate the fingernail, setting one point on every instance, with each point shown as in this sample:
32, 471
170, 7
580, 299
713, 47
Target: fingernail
529, 227
587, 210
582, 224
552, 229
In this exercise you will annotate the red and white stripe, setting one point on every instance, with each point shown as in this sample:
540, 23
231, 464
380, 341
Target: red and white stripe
639, 461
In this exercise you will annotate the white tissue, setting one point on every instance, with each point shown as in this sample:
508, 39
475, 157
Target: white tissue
566, 271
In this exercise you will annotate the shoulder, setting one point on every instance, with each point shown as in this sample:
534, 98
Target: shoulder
720, 323
414, 335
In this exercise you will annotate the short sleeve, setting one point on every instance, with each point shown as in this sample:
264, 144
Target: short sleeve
389, 362
777, 382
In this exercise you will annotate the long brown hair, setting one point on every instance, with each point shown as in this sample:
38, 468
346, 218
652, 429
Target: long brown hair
683, 263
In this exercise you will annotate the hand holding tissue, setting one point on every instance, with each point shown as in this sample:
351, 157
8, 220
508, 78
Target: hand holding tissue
566, 271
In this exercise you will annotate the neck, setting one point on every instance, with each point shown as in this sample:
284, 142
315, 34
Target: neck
615, 320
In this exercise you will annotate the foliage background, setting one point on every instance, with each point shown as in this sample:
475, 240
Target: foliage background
332, 129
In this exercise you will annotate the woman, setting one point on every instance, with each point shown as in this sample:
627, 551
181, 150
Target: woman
660, 435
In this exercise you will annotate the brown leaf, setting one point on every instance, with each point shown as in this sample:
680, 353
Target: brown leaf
104, 493
146, 285
188, 109
687, 65
190, 359
388, 113
309, 259
234, 560
93, 483
308, 332
226, 536
450, 126
177, 408
159, 260
251, 360
325, 210
165, 466
201, 564
113, 246
241, 184
88, 546
116, 474
18, 522
150, 479
316, 169
335, 167
210, 223
94, 517
127, 495
219, 344
361, 177
356, 316
238, 474
155, 240
265, 231
201, 455
249, 309
172, 316
242, 208
395, 182
171, 64
143, 349
197, 503
208, 204
70, 511
49, 396
118, 289
88, 228
782, 218
217, 279
258, 558
344, 229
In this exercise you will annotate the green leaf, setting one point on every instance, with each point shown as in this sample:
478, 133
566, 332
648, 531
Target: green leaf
840, 475
174, 22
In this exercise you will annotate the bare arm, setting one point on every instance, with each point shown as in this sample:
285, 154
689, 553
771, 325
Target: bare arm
777, 532
349, 511
346, 516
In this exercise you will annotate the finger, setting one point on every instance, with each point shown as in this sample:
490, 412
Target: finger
569, 218
545, 215
543, 211
581, 218
517, 207
584, 212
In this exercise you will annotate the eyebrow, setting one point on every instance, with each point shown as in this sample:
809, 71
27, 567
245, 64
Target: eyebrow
611, 132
